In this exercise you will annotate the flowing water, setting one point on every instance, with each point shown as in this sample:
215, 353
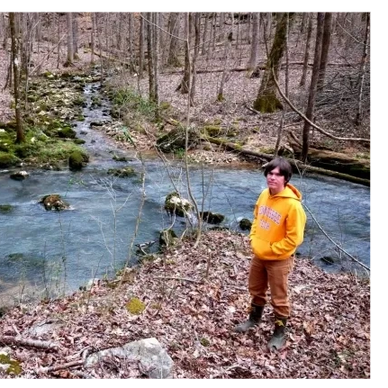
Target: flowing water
42, 251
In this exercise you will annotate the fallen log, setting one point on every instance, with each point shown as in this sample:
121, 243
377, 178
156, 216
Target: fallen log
297, 165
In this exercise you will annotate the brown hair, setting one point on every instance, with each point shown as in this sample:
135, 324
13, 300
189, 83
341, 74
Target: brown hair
284, 168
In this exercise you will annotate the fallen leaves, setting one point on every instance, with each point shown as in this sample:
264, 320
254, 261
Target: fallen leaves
194, 318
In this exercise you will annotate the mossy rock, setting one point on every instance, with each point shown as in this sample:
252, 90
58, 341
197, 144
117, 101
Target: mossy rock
54, 202
67, 132
245, 224
79, 141
77, 160
212, 218
212, 130
124, 172
6, 208
174, 204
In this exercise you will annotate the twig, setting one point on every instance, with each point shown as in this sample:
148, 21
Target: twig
8, 340
60, 366
175, 278
47, 56
338, 246
251, 109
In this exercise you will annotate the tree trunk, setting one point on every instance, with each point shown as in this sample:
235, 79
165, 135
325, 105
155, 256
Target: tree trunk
204, 36
313, 85
155, 53
197, 38
15, 39
303, 23
141, 46
25, 45
75, 36
70, 52
227, 46
286, 76
325, 49
173, 29
307, 50
92, 33
130, 40
359, 115
150, 61
4, 31
254, 57
266, 100
183, 87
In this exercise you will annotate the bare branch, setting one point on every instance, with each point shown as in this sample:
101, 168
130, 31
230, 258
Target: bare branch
338, 246
9, 340
310, 122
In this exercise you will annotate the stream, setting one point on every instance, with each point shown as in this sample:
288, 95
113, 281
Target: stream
44, 253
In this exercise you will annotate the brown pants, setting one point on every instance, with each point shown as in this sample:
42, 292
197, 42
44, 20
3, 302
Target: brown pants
272, 273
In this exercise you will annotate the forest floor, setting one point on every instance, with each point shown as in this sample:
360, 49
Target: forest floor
194, 297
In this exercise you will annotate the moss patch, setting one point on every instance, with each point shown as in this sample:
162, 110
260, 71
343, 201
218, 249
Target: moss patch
12, 366
135, 306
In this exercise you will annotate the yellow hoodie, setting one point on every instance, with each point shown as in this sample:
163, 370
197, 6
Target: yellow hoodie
278, 224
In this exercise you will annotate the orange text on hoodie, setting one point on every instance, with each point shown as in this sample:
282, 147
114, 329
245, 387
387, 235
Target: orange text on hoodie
278, 224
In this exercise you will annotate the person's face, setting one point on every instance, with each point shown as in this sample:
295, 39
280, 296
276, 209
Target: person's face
275, 181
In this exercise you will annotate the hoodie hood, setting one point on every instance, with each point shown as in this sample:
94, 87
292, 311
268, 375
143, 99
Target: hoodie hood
290, 191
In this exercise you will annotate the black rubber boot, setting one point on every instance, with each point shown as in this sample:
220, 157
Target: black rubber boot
278, 339
253, 319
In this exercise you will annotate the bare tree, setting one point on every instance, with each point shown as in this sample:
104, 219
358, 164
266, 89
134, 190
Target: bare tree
286, 78
325, 49
70, 41
267, 25
150, 56
15, 50
313, 86
141, 45
267, 100
207, 17
39, 17
4, 30
212, 40
58, 34
227, 46
359, 115
118, 23
183, 87
75, 36
130, 39
155, 53
92, 34
307, 51
173, 30
305, 15
254, 55
197, 38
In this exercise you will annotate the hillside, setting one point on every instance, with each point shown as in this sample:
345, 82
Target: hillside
192, 300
